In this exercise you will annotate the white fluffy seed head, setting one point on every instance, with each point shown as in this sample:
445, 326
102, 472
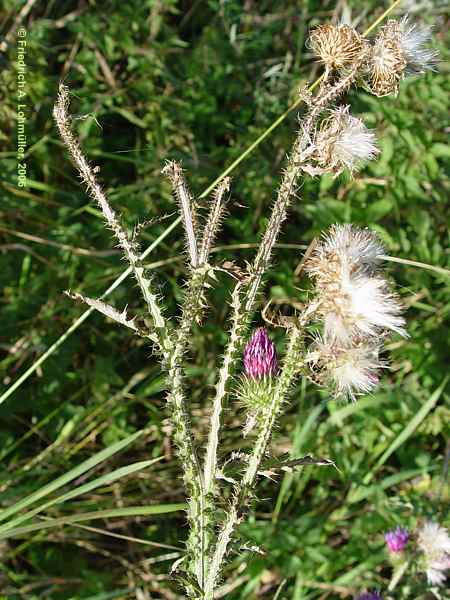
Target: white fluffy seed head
363, 307
344, 142
400, 49
354, 300
435, 576
355, 145
349, 371
434, 542
355, 246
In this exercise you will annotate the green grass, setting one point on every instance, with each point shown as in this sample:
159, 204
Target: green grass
200, 82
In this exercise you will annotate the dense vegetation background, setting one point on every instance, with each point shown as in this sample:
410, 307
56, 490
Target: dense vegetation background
199, 82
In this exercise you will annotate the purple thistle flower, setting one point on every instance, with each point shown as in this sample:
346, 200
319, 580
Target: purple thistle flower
369, 596
396, 539
260, 356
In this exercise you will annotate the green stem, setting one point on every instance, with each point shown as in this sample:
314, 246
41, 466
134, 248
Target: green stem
283, 384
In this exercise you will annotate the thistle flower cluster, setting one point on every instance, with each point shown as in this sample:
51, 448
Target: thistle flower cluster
342, 141
354, 303
356, 307
400, 49
434, 542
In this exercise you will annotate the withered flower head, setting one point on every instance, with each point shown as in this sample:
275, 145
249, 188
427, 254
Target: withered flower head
399, 50
387, 61
348, 370
336, 45
343, 142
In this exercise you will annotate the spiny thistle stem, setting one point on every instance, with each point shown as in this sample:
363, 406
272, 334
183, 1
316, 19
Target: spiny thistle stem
214, 218
241, 316
238, 326
174, 172
288, 183
198, 536
192, 474
284, 382
62, 119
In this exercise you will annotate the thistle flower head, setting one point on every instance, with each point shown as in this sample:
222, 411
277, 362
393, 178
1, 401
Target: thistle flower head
348, 370
399, 50
260, 356
434, 541
344, 142
396, 540
354, 300
336, 45
369, 596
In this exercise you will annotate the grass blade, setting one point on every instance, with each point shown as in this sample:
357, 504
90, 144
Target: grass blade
70, 475
129, 511
82, 489
408, 431
362, 492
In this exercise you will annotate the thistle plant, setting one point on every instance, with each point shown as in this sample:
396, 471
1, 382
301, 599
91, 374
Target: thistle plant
423, 554
336, 340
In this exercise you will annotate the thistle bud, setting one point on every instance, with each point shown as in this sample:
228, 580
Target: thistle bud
396, 540
336, 45
260, 356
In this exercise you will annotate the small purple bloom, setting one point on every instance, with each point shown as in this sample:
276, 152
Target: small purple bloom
369, 596
396, 539
260, 356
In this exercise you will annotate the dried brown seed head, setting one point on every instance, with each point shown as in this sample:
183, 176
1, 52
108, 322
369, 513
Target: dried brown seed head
343, 142
336, 45
387, 62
